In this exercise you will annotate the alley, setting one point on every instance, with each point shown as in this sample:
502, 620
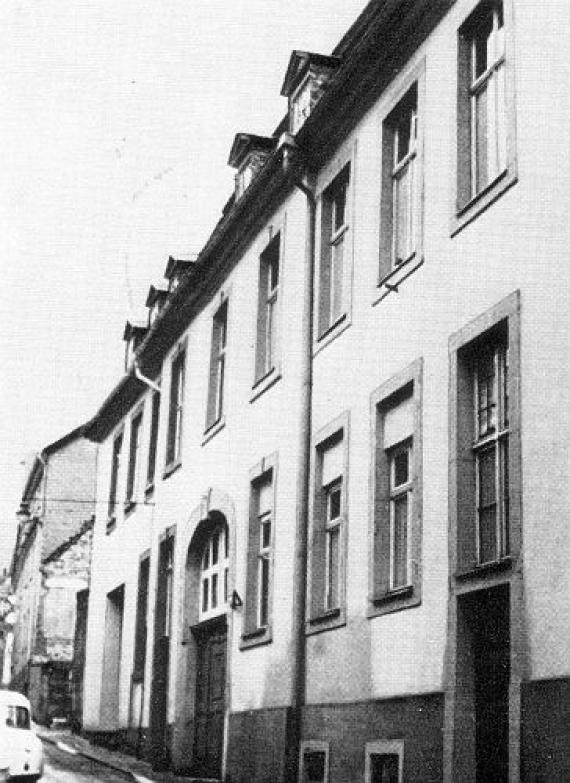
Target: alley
63, 767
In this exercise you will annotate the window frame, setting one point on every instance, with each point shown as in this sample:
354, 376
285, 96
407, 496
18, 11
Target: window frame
217, 572
175, 421
155, 406
135, 455
384, 596
217, 379
116, 463
267, 372
254, 632
390, 273
342, 168
321, 616
468, 203
383, 748
313, 746
501, 322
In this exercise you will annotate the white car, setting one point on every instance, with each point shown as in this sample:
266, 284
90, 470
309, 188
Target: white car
21, 753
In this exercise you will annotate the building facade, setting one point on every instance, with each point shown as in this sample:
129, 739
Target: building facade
335, 546
50, 564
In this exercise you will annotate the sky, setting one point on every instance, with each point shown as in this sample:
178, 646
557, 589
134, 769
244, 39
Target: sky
117, 122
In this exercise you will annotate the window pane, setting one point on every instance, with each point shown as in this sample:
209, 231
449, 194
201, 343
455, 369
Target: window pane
384, 768
488, 535
400, 541
487, 484
506, 544
501, 121
333, 560
335, 501
483, 45
266, 533
263, 590
215, 547
481, 139
214, 591
336, 280
401, 468
314, 766
403, 212
205, 594
339, 206
486, 393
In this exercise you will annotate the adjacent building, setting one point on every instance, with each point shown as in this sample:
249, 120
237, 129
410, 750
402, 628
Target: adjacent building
50, 564
335, 544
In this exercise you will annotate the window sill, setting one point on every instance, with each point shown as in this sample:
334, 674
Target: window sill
486, 569
469, 211
171, 468
394, 601
394, 279
213, 430
331, 333
149, 489
265, 383
129, 506
334, 618
256, 638
111, 525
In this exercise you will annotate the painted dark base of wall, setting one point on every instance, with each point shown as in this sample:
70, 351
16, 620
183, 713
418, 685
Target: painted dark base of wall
258, 739
546, 731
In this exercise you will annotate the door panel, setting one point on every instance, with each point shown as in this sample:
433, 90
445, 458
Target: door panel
210, 702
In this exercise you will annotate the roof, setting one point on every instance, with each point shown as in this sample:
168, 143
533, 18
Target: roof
36, 471
374, 49
299, 63
246, 142
177, 265
155, 294
65, 545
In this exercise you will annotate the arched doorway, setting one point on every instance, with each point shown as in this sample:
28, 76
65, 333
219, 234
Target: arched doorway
207, 593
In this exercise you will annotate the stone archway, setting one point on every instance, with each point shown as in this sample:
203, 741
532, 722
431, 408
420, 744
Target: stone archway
199, 739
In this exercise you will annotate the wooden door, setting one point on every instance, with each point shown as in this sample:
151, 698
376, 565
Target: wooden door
210, 700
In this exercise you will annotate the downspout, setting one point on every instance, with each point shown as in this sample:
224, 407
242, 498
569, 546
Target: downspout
295, 167
138, 374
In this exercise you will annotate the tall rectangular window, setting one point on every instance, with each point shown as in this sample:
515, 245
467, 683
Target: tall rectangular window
174, 436
155, 418
400, 218
328, 527
384, 762
115, 468
485, 141
267, 325
314, 762
334, 271
217, 366
134, 459
257, 626
486, 440
396, 408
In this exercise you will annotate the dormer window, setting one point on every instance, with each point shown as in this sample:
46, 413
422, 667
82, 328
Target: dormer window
176, 269
133, 336
305, 82
248, 155
155, 301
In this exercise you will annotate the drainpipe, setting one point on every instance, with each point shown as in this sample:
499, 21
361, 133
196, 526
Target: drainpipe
138, 374
295, 167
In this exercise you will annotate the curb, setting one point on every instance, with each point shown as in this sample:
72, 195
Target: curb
92, 757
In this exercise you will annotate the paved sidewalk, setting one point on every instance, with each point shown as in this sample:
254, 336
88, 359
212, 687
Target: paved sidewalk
131, 767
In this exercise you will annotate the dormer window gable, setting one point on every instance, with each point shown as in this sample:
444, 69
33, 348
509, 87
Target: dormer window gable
305, 82
133, 336
176, 269
248, 155
155, 301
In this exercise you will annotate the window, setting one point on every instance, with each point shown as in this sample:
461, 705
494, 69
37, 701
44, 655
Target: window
384, 762
17, 717
486, 151
214, 575
260, 551
396, 556
139, 657
486, 444
155, 417
134, 453
267, 326
402, 178
115, 467
314, 762
328, 534
217, 366
334, 276
174, 437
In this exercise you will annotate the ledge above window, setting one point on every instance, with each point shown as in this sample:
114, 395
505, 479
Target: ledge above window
213, 430
265, 383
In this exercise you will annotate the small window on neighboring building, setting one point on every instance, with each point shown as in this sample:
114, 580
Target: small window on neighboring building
155, 418
260, 550
216, 386
314, 762
115, 467
214, 575
401, 219
134, 459
334, 273
267, 323
397, 491
384, 762
486, 146
329, 521
174, 435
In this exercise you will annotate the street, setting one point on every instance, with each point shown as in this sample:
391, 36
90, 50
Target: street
63, 767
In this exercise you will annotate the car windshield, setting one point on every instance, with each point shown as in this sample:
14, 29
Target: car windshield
17, 717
